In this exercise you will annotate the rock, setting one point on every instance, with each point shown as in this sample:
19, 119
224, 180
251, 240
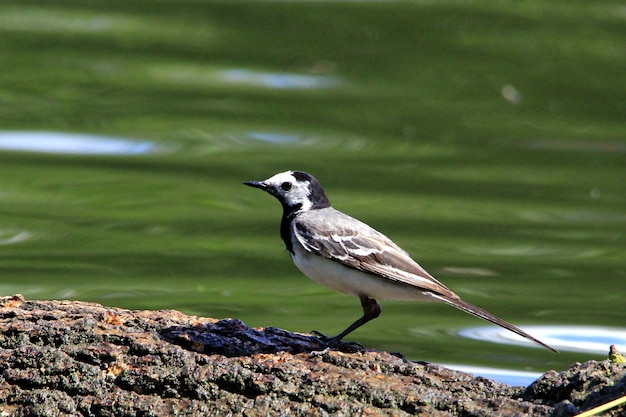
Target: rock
70, 358
583, 386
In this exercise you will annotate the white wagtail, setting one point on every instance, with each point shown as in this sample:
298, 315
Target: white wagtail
347, 255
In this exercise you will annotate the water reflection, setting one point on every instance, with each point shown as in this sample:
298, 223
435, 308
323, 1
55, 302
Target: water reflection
565, 338
279, 80
72, 143
9, 237
276, 138
506, 376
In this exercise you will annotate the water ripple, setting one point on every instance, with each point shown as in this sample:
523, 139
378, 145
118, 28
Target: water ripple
71, 143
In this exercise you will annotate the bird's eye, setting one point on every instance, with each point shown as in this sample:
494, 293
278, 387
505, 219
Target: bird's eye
286, 186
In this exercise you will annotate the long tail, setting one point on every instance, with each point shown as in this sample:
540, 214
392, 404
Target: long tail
479, 312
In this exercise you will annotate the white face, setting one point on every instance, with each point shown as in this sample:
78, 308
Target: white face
289, 190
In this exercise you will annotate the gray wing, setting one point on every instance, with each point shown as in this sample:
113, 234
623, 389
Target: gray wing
339, 237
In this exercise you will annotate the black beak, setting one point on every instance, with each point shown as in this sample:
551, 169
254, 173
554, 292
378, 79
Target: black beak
256, 184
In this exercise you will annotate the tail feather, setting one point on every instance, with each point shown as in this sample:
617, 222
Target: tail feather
479, 312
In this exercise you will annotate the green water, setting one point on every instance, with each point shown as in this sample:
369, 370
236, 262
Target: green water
488, 140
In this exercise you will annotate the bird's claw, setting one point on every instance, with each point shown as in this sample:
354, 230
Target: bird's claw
326, 340
336, 343
320, 335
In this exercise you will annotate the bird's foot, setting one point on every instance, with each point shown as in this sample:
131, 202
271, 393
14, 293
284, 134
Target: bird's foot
327, 340
336, 343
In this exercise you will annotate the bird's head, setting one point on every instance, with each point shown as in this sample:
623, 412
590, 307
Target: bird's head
296, 191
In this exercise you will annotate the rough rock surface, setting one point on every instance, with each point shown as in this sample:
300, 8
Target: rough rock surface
68, 358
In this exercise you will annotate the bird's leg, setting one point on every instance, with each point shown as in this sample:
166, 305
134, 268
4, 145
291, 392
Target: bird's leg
371, 310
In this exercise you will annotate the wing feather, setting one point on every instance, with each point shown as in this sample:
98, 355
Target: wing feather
334, 235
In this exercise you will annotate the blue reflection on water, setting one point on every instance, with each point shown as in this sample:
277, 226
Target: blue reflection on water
590, 339
506, 376
72, 143
279, 138
279, 80
604, 341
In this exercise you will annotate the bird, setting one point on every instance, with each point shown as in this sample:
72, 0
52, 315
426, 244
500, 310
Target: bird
348, 256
